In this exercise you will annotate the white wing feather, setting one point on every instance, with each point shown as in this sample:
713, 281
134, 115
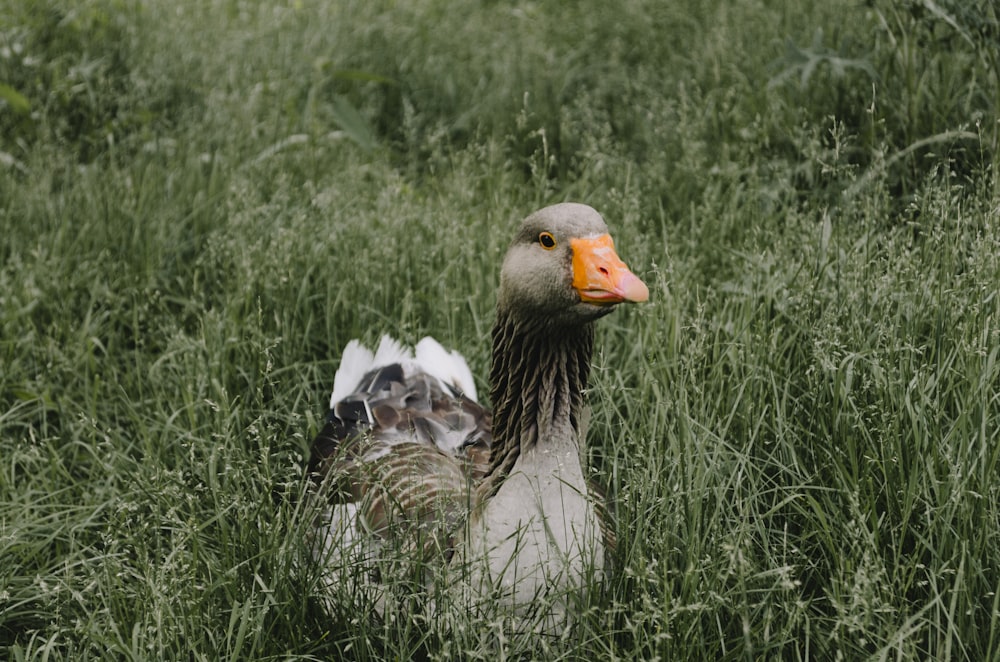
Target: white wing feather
431, 358
355, 361
391, 351
449, 367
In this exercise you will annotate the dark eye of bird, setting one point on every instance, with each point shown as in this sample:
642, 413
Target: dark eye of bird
547, 241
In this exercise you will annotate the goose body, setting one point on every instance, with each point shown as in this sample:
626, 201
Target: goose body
409, 456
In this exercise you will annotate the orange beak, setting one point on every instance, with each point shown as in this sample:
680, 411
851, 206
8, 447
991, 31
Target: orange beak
600, 276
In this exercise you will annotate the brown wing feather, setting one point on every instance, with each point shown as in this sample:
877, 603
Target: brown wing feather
417, 495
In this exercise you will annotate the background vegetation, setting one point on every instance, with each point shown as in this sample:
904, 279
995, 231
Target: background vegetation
201, 202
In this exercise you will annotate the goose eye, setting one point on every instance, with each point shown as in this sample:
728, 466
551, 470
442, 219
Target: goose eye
547, 241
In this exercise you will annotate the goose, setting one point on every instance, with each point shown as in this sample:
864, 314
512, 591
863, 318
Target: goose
408, 455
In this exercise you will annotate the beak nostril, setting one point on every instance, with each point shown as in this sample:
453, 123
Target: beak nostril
604, 270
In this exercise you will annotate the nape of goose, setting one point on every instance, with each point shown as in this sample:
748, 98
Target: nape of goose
500, 503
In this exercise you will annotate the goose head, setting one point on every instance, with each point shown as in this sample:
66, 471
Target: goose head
562, 269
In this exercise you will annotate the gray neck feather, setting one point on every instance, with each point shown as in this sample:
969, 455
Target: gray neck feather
537, 380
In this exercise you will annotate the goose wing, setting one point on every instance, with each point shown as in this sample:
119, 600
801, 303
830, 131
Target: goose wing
404, 443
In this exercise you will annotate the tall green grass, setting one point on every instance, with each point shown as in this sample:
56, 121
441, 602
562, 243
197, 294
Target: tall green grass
201, 203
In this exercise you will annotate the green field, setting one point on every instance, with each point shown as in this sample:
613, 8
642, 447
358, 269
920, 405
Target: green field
202, 202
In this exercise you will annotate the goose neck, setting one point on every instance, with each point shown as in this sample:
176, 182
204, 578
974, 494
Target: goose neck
538, 378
